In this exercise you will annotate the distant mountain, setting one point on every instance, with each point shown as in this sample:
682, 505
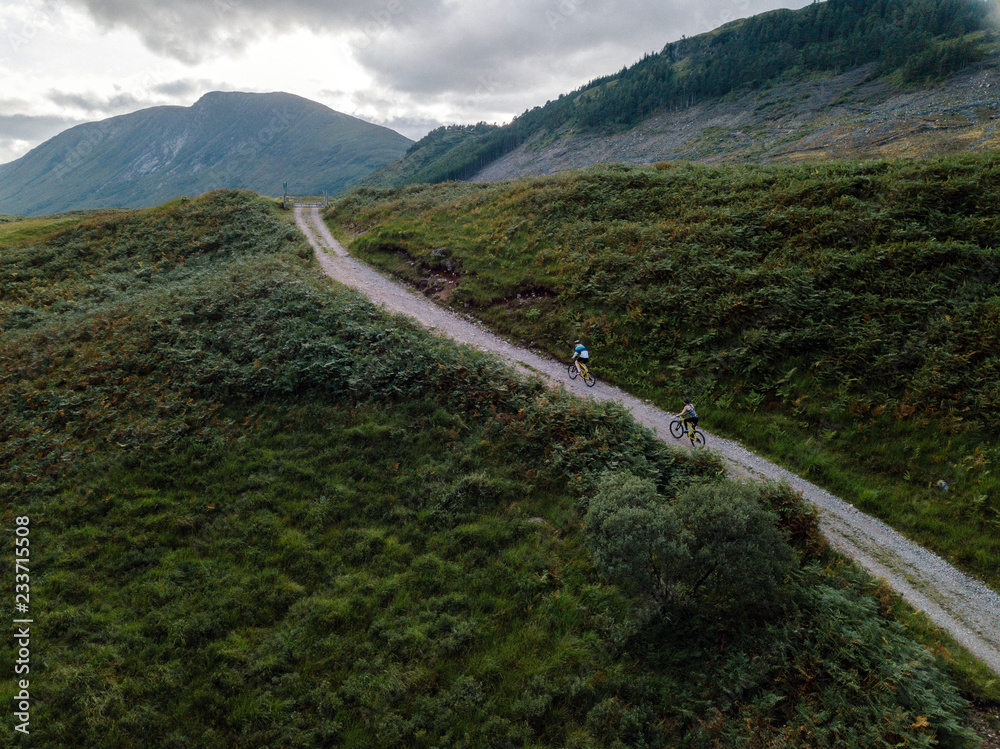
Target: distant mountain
837, 78
239, 140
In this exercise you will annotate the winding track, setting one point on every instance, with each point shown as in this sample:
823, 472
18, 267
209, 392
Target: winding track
964, 607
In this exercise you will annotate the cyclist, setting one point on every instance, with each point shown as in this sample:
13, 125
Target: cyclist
688, 413
580, 356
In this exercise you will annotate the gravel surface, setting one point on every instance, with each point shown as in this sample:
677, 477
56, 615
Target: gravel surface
964, 607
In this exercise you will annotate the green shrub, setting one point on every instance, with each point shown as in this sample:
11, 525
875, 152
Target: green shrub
717, 547
632, 535
797, 518
736, 556
472, 494
857, 679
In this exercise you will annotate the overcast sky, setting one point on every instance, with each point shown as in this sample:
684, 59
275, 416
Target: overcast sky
408, 64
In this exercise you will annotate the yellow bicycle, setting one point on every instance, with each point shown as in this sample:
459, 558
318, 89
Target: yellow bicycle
680, 427
584, 373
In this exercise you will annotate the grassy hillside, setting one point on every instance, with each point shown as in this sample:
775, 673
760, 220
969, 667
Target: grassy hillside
263, 512
901, 44
842, 319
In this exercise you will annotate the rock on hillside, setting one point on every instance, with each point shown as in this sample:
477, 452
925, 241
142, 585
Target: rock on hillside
238, 140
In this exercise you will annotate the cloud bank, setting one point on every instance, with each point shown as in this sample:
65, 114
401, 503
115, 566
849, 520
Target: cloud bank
408, 64
434, 47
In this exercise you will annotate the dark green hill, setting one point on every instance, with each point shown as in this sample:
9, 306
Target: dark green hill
765, 88
260, 511
232, 140
842, 318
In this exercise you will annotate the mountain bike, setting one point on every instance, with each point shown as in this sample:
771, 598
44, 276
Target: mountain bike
584, 373
680, 427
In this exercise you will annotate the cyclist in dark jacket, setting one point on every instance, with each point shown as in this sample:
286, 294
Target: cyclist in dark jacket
688, 413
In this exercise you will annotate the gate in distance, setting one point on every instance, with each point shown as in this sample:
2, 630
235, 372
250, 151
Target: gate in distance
290, 201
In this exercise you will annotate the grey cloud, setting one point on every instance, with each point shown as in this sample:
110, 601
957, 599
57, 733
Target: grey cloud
149, 93
193, 30
12, 105
414, 128
482, 59
511, 56
187, 88
462, 52
401, 38
92, 103
29, 128
522, 42
19, 131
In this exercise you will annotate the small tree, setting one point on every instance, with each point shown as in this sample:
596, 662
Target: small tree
737, 556
632, 534
717, 546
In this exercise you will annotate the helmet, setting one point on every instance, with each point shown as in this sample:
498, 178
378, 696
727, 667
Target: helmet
687, 400
577, 340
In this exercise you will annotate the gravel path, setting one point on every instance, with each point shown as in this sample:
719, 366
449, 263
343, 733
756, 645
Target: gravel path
964, 607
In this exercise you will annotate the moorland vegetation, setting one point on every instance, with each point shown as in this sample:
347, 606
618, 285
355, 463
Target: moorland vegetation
842, 319
264, 512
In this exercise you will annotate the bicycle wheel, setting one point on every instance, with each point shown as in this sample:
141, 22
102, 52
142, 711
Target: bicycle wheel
571, 371
676, 429
589, 378
697, 438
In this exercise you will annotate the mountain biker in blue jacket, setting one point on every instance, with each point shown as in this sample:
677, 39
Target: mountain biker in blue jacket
580, 356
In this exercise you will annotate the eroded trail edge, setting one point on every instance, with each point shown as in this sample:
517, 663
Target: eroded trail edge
960, 605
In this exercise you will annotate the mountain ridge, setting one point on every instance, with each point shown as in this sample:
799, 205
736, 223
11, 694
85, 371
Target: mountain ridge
847, 116
225, 139
883, 47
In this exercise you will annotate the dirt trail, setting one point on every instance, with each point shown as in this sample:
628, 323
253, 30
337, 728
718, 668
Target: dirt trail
964, 607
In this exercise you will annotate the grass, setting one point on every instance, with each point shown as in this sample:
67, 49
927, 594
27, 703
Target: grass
838, 318
248, 529
15, 230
